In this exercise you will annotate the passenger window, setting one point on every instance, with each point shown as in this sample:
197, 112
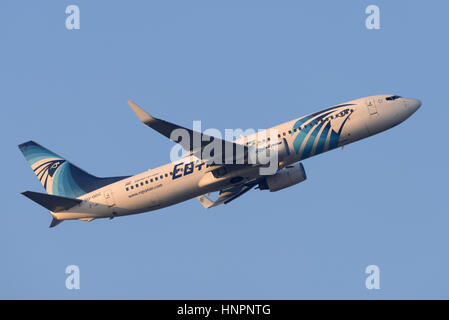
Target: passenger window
161, 176
132, 187
155, 178
141, 183
127, 188
289, 132
151, 180
146, 181
166, 175
137, 185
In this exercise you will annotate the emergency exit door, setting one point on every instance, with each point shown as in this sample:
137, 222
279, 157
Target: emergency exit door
109, 198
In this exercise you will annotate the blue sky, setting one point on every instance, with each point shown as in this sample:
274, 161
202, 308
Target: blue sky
231, 64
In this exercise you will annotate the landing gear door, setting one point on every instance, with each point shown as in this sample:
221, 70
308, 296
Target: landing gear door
371, 105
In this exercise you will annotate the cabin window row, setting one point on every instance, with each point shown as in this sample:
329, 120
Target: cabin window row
148, 181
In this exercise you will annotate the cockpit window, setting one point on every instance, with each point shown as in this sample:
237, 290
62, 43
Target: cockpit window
393, 98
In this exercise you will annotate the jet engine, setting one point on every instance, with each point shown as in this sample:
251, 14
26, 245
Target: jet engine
284, 178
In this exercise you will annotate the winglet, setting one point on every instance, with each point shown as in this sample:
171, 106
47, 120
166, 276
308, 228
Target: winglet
143, 115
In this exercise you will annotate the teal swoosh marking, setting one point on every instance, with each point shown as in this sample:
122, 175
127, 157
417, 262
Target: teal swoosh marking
303, 132
34, 152
335, 136
304, 119
322, 139
309, 144
64, 185
300, 138
333, 141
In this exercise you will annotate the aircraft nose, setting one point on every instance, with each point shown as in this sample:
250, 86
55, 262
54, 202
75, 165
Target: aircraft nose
411, 105
414, 104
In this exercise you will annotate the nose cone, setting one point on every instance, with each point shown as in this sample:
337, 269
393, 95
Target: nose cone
411, 105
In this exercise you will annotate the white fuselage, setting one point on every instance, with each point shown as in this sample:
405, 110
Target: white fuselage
295, 140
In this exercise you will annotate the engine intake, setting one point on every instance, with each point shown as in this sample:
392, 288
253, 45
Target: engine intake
284, 178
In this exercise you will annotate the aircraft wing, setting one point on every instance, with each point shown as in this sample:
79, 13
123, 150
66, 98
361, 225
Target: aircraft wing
166, 128
228, 194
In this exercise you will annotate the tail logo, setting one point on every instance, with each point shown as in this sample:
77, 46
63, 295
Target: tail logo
47, 169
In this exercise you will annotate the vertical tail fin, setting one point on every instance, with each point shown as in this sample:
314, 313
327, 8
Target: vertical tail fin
58, 176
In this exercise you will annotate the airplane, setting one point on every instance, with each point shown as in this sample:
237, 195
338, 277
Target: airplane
74, 194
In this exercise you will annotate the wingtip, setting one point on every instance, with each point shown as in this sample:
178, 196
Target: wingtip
131, 103
144, 116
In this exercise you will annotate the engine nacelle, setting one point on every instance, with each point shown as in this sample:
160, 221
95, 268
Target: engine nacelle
284, 178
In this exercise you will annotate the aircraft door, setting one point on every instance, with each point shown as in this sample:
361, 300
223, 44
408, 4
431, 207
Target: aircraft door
371, 105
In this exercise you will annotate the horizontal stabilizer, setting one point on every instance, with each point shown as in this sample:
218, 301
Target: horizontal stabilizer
55, 222
52, 202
